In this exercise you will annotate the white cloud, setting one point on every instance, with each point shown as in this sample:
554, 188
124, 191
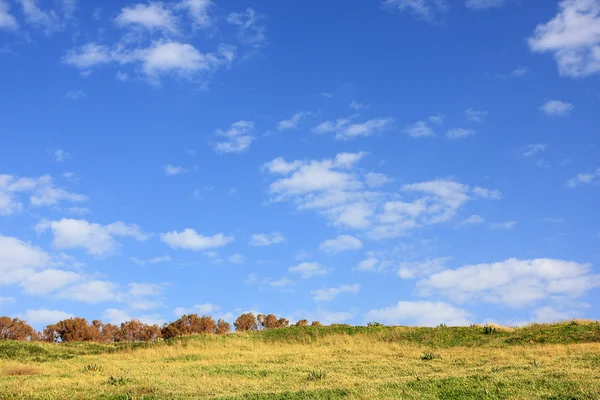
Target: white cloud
503, 225
19, 260
250, 30
419, 129
59, 155
336, 188
7, 20
344, 129
355, 105
472, 220
42, 317
532, 149
189, 239
328, 294
420, 313
238, 138
334, 317
370, 264
237, 259
515, 283
171, 170
484, 4
150, 16
308, 270
293, 122
476, 116
583, 178
417, 269
573, 35
155, 260
201, 309
199, 10
98, 240
557, 108
94, 291
160, 58
75, 95
374, 179
48, 281
117, 316
42, 189
340, 243
423, 9
460, 133
49, 22
263, 239
520, 72
549, 314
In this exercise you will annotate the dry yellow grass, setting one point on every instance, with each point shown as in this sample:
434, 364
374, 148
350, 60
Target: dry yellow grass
355, 367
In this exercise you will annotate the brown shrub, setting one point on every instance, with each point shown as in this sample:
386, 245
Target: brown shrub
222, 327
271, 321
72, 330
302, 322
136, 331
189, 325
316, 323
16, 329
246, 322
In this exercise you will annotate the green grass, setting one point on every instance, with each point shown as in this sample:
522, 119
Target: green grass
558, 361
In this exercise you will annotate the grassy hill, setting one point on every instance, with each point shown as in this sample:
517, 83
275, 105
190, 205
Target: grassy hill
557, 361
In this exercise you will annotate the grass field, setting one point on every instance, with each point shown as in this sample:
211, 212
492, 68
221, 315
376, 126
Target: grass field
559, 361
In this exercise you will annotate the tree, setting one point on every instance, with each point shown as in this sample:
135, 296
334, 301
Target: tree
16, 329
222, 327
137, 331
246, 322
302, 322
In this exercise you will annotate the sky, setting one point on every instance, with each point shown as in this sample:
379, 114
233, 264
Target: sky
411, 162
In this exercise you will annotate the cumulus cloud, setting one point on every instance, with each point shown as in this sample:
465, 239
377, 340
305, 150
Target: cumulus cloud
513, 282
189, 239
43, 317
41, 190
417, 269
338, 189
328, 294
98, 240
200, 11
419, 129
420, 313
308, 270
341, 243
263, 239
344, 128
573, 36
238, 138
19, 260
580, 179
292, 122
557, 108
48, 281
149, 16
160, 58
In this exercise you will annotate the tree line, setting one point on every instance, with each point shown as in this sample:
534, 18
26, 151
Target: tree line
79, 330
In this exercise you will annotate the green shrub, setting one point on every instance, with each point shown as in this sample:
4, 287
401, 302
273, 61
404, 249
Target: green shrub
316, 375
489, 330
430, 356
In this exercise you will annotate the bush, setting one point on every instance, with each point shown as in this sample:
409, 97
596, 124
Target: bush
246, 322
16, 329
271, 321
489, 330
188, 325
302, 322
73, 330
429, 356
375, 324
223, 327
316, 323
136, 331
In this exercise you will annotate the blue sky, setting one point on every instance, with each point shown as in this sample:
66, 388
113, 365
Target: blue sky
405, 161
